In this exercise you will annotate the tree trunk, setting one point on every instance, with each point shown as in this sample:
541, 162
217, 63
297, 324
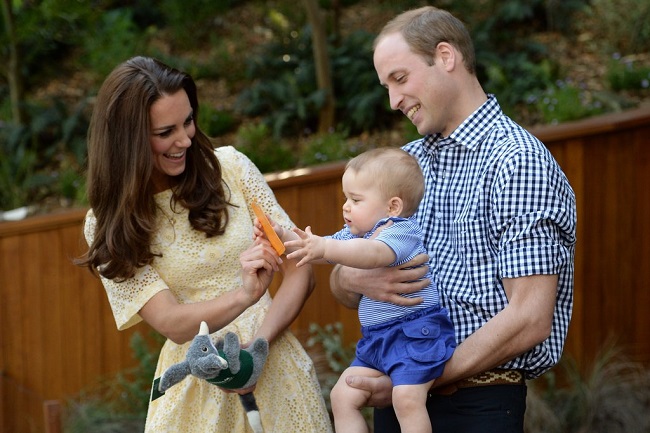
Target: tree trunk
13, 67
321, 60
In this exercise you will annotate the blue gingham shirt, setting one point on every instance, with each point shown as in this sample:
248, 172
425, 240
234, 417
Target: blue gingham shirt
404, 237
496, 205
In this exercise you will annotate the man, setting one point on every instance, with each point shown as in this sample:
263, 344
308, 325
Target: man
499, 223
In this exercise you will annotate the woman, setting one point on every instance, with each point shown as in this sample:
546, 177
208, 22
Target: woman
170, 231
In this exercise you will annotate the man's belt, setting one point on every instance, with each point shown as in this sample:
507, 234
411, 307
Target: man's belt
495, 376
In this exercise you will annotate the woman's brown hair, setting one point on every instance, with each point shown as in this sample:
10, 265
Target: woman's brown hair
120, 165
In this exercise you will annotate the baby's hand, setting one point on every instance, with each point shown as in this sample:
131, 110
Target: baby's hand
309, 247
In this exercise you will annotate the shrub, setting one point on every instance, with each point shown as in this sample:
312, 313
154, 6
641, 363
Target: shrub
331, 356
119, 404
322, 148
564, 101
116, 39
624, 25
34, 156
612, 396
286, 96
267, 152
624, 73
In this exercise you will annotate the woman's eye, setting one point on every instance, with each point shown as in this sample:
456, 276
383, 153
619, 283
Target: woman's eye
164, 134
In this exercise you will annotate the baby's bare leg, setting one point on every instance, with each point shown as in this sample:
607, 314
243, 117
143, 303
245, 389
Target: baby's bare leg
347, 402
410, 403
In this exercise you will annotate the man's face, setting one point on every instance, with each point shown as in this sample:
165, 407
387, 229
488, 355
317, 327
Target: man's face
417, 89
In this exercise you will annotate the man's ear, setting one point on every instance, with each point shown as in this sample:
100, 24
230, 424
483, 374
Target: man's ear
395, 206
446, 55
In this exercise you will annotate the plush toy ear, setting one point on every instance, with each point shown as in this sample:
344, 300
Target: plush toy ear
231, 349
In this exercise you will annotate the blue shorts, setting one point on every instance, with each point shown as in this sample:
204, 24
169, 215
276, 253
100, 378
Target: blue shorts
412, 349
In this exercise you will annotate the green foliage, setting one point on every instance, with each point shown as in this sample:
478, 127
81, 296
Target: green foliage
267, 152
612, 396
623, 25
564, 101
116, 39
625, 74
31, 154
18, 176
322, 148
331, 357
362, 103
186, 25
91, 415
330, 339
509, 63
46, 31
285, 92
216, 122
513, 76
119, 405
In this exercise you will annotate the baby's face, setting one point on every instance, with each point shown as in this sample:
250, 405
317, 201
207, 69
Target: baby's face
365, 204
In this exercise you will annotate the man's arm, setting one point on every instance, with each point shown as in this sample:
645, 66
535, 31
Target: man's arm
524, 323
521, 325
383, 284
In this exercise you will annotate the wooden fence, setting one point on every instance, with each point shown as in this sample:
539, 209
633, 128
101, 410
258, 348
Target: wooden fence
58, 336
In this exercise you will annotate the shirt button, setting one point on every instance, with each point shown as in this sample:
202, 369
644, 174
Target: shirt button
425, 330
439, 215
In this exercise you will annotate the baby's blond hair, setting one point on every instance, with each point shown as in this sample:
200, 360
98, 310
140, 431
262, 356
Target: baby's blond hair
396, 172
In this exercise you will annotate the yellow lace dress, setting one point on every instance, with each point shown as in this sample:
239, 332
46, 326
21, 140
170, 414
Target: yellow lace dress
197, 268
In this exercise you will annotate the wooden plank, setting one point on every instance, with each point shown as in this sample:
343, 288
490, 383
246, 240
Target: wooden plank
52, 416
641, 244
13, 334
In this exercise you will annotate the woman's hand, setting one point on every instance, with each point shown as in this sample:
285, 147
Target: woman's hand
259, 263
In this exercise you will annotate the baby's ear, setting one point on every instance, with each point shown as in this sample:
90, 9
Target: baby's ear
395, 206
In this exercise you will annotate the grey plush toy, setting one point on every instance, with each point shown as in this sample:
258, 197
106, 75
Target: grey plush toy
225, 365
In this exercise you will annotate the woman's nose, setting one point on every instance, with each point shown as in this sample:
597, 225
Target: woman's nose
185, 140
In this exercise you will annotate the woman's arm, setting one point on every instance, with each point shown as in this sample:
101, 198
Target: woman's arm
179, 322
297, 284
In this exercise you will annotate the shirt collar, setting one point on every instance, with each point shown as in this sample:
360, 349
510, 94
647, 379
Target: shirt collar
472, 131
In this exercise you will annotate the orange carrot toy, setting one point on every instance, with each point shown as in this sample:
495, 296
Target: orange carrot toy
276, 243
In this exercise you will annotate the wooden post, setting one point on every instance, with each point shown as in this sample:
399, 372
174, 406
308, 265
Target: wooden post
52, 416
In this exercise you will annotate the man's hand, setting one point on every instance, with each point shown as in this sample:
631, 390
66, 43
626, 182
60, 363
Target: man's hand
383, 284
380, 389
